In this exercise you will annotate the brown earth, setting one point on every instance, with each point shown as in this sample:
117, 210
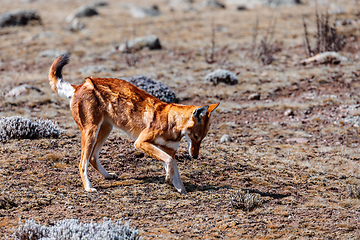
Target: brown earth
301, 163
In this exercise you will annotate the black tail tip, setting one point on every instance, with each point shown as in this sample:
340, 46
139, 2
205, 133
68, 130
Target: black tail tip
64, 58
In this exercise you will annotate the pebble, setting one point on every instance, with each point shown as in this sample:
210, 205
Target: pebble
225, 138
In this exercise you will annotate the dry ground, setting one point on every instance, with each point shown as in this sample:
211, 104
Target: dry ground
301, 164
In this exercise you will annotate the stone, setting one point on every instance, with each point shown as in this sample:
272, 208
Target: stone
19, 18
213, 4
83, 11
289, 112
89, 70
21, 90
52, 53
225, 138
254, 96
151, 42
142, 12
75, 25
297, 140
325, 58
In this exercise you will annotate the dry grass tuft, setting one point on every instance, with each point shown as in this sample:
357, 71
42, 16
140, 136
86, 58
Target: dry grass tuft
354, 191
245, 200
327, 37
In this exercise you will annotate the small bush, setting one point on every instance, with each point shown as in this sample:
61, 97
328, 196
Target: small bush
327, 38
71, 229
222, 75
245, 201
157, 89
21, 128
354, 191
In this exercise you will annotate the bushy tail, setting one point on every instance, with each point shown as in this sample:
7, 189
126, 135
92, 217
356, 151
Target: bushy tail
64, 89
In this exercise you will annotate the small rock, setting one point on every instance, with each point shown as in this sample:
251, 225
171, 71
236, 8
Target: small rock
336, 9
254, 96
52, 53
21, 90
83, 11
222, 75
139, 154
225, 138
142, 12
75, 25
297, 140
19, 18
152, 42
213, 4
89, 70
325, 58
289, 112
241, 8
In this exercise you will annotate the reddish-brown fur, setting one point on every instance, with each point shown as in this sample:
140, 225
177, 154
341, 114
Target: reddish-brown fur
101, 103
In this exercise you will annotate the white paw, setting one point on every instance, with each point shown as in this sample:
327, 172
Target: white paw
111, 176
90, 189
182, 190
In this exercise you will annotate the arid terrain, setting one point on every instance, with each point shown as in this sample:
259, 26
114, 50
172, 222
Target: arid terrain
294, 128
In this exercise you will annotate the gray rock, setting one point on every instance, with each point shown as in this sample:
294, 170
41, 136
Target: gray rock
222, 75
156, 89
246, 4
83, 11
289, 112
52, 53
152, 42
142, 12
89, 70
225, 138
75, 25
254, 96
19, 18
297, 140
213, 4
21, 90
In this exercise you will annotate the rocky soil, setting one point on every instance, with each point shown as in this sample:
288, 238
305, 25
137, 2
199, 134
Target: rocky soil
293, 129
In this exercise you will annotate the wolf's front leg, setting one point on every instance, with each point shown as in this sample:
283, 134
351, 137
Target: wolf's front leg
172, 172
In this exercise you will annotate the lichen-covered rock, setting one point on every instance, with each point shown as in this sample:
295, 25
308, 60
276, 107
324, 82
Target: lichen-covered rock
19, 18
213, 4
83, 11
21, 128
157, 89
152, 42
73, 229
21, 90
142, 12
222, 75
52, 53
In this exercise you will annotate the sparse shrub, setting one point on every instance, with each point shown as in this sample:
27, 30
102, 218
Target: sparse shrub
265, 50
354, 191
222, 75
19, 128
327, 38
245, 201
157, 89
71, 229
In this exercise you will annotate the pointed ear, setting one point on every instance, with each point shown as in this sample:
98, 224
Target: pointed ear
212, 107
199, 113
